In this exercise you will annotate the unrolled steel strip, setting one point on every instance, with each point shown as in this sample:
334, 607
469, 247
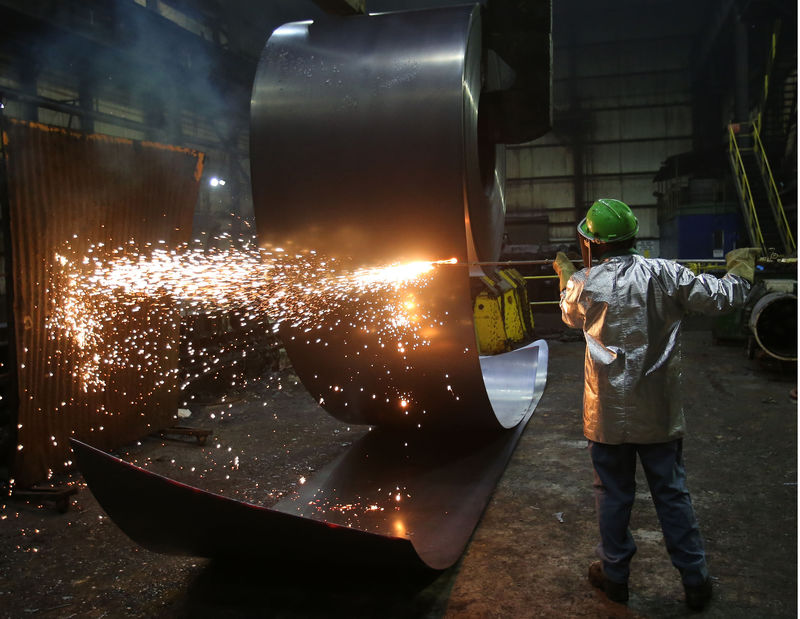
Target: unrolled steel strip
348, 513
365, 147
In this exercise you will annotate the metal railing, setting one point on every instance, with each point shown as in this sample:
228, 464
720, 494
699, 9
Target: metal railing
773, 195
543, 277
743, 188
775, 202
771, 54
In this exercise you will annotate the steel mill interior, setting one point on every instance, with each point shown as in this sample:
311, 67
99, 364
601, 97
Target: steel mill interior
282, 288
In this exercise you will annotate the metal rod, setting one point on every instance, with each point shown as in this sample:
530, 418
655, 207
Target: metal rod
510, 263
577, 261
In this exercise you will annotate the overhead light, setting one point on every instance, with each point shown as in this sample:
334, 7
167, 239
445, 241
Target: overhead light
216, 182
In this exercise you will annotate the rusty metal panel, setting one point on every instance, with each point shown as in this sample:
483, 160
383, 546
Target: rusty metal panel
66, 186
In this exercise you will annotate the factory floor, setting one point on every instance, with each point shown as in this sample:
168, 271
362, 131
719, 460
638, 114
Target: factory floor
528, 556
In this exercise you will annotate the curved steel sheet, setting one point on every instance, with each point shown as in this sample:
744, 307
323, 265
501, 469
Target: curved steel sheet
365, 144
429, 487
394, 498
166, 516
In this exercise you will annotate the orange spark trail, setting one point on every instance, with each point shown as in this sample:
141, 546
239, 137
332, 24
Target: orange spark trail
106, 305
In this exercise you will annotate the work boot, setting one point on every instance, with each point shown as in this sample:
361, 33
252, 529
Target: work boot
697, 596
615, 591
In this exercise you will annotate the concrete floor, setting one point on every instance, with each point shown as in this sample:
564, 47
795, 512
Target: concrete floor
528, 556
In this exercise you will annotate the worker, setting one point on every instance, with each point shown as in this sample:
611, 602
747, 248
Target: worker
630, 310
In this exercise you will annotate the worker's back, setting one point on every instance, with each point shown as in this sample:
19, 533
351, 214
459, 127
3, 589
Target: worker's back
630, 309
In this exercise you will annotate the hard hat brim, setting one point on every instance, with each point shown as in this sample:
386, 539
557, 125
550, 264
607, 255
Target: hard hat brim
584, 231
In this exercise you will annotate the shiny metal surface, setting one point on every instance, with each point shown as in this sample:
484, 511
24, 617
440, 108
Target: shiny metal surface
364, 138
365, 145
630, 309
508, 379
401, 498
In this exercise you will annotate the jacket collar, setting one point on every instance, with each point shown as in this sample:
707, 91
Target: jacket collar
629, 251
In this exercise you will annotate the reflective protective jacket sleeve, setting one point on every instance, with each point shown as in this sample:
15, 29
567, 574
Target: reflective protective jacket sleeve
630, 309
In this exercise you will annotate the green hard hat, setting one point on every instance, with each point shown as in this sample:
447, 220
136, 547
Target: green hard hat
608, 221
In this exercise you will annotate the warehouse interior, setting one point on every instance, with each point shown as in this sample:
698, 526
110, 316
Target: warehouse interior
144, 120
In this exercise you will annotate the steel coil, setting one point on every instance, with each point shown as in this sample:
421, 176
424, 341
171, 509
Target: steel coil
365, 145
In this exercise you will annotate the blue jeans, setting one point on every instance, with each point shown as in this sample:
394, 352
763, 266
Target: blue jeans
615, 488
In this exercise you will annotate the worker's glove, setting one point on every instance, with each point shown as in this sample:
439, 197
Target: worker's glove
565, 269
742, 262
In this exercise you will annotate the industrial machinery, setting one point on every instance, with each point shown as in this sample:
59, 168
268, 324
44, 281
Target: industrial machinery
768, 321
377, 139
773, 325
771, 312
502, 312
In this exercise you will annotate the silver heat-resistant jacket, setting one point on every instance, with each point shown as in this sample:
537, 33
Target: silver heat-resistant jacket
630, 309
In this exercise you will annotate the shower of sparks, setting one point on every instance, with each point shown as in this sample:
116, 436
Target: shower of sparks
109, 309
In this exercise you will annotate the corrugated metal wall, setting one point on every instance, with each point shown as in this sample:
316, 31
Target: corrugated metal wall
622, 105
68, 186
